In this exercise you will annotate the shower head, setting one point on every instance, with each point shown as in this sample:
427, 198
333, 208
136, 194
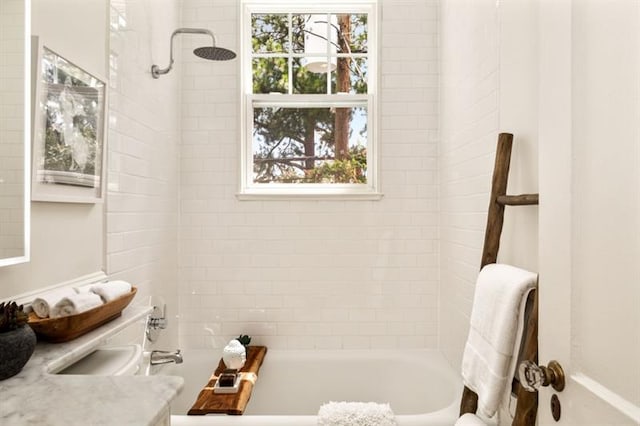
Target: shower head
212, 52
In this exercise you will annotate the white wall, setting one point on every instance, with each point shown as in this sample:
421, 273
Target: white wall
142, 198
66, 239
469, 123
312, 274
12, 27
489, 85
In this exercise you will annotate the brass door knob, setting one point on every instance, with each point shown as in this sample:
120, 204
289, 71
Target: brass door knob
532, 376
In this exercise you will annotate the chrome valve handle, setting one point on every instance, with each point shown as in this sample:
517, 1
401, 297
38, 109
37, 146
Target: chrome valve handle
158, 318
156, 321
532, 376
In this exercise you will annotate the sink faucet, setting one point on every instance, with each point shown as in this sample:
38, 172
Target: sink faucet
166, 357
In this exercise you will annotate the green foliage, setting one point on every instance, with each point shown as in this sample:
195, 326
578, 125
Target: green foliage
244, 339
350, 170
12, 316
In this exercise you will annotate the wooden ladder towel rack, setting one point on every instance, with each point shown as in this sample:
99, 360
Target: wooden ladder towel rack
527, 402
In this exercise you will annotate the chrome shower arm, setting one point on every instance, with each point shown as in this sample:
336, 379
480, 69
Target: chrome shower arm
194, 31
156, 71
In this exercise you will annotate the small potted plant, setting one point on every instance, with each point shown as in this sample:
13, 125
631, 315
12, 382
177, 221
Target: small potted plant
17, 339
244, 340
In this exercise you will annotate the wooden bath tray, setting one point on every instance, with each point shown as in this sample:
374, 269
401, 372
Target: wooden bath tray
234, 403
57, 330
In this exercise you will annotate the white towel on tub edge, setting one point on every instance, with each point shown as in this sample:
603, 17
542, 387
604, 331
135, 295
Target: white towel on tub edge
355, 414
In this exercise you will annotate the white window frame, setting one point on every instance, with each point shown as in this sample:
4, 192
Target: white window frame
250, 191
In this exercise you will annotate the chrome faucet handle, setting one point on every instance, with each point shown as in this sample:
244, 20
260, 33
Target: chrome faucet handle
157, 351
532, 376
159, 357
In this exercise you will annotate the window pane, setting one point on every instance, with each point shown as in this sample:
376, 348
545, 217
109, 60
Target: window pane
310, 145
270, 75
320, 41
352, 32
298, 23
269, 33
307, 82
350, 76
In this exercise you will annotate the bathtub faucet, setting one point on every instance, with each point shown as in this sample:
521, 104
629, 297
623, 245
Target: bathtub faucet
166, 357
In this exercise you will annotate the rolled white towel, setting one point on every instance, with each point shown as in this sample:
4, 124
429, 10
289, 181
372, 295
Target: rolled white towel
111, 290
43, 304
83, 288
75, 304
355, 414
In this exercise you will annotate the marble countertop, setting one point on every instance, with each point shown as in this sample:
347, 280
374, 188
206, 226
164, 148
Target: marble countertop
36, 396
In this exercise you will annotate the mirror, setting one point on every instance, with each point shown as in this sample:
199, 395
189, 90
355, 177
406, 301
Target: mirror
15, 139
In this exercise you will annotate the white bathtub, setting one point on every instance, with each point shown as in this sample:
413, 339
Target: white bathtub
419, 384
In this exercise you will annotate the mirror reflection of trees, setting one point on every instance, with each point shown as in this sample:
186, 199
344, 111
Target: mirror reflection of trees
308, 144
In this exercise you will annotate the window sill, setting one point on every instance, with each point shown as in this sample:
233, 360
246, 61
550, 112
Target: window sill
286, 195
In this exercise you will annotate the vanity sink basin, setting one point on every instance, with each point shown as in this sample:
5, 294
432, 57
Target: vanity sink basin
108, 361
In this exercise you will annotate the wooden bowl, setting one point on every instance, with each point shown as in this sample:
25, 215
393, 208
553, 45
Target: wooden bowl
67, 328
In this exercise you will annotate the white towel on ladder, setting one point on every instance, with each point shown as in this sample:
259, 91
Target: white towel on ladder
496, 317
470, 420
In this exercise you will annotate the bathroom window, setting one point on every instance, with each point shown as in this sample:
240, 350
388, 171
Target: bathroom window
309, 90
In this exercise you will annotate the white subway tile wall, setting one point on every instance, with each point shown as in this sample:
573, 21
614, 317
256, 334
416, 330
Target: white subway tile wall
302, 273
142, 182
11, 128
469, 127
489, 85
